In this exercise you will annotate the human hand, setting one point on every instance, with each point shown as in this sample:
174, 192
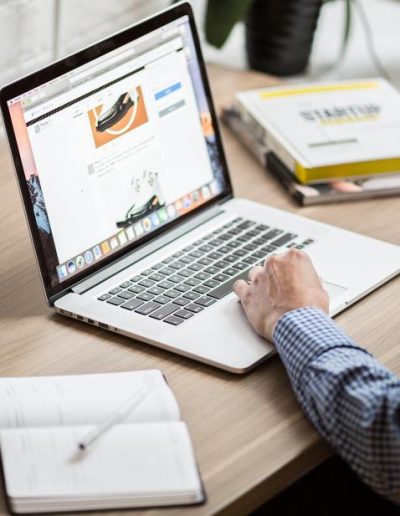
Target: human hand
286, 282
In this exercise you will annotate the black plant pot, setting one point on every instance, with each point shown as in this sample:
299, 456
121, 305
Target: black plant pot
279, 34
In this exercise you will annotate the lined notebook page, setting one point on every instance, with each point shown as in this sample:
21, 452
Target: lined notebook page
131, 462
83, 399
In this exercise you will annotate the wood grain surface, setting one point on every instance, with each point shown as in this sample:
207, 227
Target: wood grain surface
250, 437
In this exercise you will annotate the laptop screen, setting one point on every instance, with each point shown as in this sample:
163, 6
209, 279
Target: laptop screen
116, 149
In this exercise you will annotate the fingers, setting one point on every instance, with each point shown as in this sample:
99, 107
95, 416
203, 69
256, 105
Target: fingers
241, 289
254, 271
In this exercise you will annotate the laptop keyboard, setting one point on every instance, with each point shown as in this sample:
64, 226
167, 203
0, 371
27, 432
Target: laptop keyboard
194, 278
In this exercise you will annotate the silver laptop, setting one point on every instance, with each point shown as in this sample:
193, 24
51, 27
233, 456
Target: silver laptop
128, 198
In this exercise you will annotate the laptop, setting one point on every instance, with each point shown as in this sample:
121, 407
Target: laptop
130, 206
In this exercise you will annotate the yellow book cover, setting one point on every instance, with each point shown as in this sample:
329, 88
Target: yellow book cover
329, 130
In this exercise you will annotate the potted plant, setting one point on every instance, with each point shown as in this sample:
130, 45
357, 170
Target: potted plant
279, 33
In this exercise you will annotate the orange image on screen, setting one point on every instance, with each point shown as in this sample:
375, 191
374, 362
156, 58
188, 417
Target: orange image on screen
127, 113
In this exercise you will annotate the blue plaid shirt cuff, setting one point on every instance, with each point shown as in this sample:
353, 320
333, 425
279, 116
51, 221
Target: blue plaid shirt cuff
302, 335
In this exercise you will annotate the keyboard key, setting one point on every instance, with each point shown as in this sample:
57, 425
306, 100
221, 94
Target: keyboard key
195, 267
251, 247
157, 266
202, 276
164, 311
206, 248
261, 227
126, 284
284, 239
125, 294
246, 224
146, 283
136, 289
137, 278
234, 244
132, 304
104, 297
166, 284
201, 289
196, 254
250, 260
173, 320
186, 260
182, 287
115, 291
162, 300
268, 249
191, 295
221, 278
258, 241
258, 254
216, 242
181, 301
177, 265
147, 308
178, 254
176, 278
194, 308
156, 277
230, 259
184, 314
214, 256
205, 301
211, 270
205, 261
186, 273
172, 293
272, 234
156, 290
168, 260
240, 253
211, 283
147, 272
230, 272
115, 301
221, 264
193, 282
233, 232
145, 296
167, 271
226, 288
241, 266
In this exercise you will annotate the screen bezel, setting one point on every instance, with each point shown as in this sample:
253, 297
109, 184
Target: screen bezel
67, 64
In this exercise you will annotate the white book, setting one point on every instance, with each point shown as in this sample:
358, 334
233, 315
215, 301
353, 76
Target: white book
328, 130
145, 460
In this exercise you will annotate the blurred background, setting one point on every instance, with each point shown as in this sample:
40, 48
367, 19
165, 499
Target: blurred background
35, 32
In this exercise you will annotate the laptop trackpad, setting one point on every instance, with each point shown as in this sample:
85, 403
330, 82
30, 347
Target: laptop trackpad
333, 290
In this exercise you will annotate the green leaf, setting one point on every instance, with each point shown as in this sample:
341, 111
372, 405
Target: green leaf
347, 27
221, 16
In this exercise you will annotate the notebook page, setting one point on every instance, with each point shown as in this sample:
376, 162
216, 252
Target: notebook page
83, 399
142, 461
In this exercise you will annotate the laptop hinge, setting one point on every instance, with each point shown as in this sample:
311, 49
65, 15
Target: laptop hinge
146, 250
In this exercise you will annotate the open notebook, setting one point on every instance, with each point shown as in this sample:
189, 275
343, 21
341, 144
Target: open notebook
145, 460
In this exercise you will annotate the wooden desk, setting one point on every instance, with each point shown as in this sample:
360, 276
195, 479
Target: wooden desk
250, 437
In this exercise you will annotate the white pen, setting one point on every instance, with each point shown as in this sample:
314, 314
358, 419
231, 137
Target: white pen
121, 413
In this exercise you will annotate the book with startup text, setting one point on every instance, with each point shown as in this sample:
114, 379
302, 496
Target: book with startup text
327, 131
316, 193
146, 459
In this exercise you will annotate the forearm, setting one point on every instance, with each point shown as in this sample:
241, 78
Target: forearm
353, 401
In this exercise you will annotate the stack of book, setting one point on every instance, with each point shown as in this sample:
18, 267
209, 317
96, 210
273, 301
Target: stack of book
324, 142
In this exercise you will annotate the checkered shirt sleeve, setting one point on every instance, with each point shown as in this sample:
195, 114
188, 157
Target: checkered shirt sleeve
351, 399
